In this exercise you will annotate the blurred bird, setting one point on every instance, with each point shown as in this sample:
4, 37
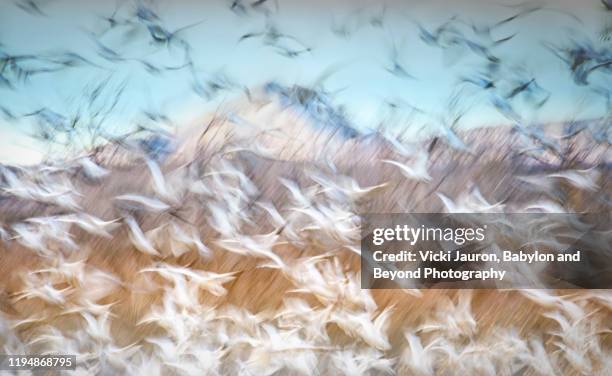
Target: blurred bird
292, 53
581, 179
145, 13
271, 36
138, 238
90, 223
346, 187
103, 50
470, 202
160, 35
146, 203
211, 282
44, 291
238, 7
113, 21
417, 171
257, 246
91, 169
416, 357
33, 7
396, 67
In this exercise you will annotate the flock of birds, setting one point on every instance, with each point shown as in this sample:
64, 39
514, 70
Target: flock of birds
139, 282
239, 258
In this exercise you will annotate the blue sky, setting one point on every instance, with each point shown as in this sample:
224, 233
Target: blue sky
361, 82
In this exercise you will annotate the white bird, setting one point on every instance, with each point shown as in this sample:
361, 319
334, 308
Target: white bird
582, 179
55, 192
51, 336
119, 357
416, 358
403, 149
551, 301
259, 246
167, 349
340, 225
228, 169
362, 325
149, 203
417, 171
99, 284
144, 365
481, 203
256, 148
577, 357
277, 220
472, 202
455, 320
540, 360
159, 182
44, 291
68, 271
29, 237
4, 235
39, 231
545, 206
181, 237
299, 197
98, 327
171, 315
453, 140
297, 313
138, 238
450, 205
219, 220
91, 169
361, 361
345, 187
90, 223
212, 282
86, 305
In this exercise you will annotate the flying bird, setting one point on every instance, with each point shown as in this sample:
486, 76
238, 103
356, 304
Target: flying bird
138, 238
417, 170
